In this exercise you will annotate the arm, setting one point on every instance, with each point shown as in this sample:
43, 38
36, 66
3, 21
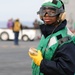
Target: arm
62, 64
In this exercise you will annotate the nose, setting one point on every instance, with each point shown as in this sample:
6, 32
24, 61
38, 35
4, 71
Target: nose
46, 15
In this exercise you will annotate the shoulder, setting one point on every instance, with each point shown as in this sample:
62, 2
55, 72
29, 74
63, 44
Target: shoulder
69, 47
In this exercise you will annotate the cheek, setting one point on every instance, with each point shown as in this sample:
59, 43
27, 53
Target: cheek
54, 19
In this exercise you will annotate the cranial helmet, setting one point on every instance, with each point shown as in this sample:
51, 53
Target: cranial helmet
56, 5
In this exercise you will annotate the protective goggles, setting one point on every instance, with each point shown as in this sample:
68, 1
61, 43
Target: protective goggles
51, 11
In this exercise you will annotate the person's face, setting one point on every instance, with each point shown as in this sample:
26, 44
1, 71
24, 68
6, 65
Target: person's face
49, 16
49, 20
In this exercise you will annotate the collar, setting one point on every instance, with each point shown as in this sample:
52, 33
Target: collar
49, 29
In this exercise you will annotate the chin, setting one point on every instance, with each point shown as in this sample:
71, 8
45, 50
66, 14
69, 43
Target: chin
48, 23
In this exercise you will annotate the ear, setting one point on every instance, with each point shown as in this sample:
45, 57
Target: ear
62, 16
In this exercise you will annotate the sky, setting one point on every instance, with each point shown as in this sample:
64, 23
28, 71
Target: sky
25, 10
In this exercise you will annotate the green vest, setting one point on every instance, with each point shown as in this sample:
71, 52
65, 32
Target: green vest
48, 46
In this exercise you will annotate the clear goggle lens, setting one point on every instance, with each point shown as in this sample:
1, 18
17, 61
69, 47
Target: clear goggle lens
48, 10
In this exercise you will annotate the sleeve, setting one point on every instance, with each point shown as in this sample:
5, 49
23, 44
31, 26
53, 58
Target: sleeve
62, 64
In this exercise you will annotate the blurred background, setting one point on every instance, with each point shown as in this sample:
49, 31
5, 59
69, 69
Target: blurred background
25, 10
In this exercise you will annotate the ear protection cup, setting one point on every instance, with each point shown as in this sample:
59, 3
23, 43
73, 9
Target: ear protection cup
62, 16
